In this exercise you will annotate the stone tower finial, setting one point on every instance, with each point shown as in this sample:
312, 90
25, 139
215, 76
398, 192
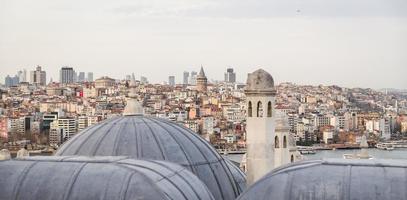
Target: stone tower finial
133, 106
259, 81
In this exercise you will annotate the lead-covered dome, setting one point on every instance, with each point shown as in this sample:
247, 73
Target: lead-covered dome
81, 178
333, 179
141, 137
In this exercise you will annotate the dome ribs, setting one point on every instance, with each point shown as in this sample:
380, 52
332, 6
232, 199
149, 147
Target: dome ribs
156, 140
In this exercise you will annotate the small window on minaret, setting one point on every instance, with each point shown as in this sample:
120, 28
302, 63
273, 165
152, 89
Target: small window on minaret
259, 109
269, 109
292, 158
276, 142
249, 109
284, 142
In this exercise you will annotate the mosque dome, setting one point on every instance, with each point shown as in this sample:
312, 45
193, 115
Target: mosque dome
333, 179
142, 137
259, 80
108, 178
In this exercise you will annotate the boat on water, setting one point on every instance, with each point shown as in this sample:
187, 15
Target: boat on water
306, 150
385, 146
363, 152
357, 156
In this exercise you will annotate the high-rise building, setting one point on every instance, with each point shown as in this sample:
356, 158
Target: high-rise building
192, 78
22, 75
67, 75
143, 80
11, 81
171, 80
69, 127
38, 76
201, 81
81, 77
185, 78
90, 77
230, 76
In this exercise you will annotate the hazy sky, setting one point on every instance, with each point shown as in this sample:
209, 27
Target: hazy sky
353, 43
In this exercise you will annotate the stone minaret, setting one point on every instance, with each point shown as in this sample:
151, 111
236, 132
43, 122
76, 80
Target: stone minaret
260, 98
133, 106
201, 81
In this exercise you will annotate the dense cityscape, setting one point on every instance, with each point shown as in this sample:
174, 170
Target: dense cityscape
42, 115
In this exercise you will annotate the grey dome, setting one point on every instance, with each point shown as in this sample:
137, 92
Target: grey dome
238, 175
259, 80
141, 137
60, 178
333, 179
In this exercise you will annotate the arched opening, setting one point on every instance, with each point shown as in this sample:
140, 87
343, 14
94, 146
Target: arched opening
292, 158
259, 109
269, 109
285, 141
276, 142
249, 109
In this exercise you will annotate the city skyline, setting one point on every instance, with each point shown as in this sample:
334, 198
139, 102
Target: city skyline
346, 43
179, 78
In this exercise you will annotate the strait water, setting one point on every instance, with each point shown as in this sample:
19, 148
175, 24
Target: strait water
399, 153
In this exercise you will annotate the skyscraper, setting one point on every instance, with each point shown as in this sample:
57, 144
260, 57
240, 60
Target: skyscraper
201, 81
81, 77
11, 81
185, 80
67, 75
230, 76
143, 80
22, 75
90, 76
192, 78
171, 80
38, 76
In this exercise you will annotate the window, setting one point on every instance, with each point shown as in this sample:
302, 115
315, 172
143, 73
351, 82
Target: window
249, 109
285, 142
269, 109
276, 142
292, 158
259, 109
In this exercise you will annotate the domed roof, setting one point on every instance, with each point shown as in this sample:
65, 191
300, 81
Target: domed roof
259, 80
141, 137
60, 178
334, 179
238, 175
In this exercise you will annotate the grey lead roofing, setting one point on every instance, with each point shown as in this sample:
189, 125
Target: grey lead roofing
64, 178
333, 179
141, 137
